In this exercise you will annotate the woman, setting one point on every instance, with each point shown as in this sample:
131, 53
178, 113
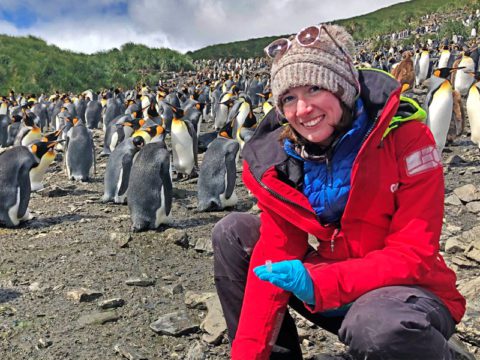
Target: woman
356, 168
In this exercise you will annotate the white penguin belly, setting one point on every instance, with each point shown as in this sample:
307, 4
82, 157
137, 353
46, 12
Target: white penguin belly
473, 111
119, 199
37, 173
13, 211
462, 82
232, 200
221, 117
182, 146
440, 116
161, 216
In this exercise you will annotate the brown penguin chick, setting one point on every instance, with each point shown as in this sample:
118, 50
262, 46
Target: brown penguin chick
458, 118
404, 72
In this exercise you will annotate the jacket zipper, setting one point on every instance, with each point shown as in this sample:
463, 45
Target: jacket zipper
336, 231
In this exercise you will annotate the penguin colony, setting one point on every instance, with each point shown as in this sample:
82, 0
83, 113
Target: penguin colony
152, 136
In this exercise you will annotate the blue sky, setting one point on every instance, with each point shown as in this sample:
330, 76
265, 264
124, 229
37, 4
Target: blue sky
93, 25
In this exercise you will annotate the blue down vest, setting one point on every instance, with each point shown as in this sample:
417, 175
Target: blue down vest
326, 184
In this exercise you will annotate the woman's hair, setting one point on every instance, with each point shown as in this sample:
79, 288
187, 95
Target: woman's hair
343, 125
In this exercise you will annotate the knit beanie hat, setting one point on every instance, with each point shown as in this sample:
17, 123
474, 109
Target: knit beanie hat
322, 64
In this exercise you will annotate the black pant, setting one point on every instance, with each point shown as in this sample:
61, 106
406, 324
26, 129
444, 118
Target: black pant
395, 322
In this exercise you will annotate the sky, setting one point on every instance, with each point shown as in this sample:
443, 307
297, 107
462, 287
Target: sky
89, 26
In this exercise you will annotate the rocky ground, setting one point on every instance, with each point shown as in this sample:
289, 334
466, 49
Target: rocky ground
75, 284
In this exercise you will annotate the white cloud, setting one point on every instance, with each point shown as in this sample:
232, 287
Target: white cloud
94, 25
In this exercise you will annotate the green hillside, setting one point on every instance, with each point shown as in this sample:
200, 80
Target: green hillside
28, 64
383, 21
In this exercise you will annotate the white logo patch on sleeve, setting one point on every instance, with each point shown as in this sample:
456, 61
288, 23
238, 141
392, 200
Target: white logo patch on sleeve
423, 160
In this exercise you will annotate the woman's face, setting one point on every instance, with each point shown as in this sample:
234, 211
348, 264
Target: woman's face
312, 112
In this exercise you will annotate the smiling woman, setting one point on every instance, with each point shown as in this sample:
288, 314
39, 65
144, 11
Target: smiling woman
324, 164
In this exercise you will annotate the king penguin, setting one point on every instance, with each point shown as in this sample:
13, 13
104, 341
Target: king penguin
473, 111
149, 193
218, 174
117, 173
38, 172
462, 78
15, 165
29, 132
439, 104
184, 144
79, 152
423, 65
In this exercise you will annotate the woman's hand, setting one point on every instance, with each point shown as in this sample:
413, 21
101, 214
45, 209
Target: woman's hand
289, 275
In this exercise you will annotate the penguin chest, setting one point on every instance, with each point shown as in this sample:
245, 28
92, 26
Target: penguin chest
33, 135
473, 111
161, 215
37, 173
423, 66
182, 147
440, 113
221, 116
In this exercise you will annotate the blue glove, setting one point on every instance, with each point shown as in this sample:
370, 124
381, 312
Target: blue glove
289, 275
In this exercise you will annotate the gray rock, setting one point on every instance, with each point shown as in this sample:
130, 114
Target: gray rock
467, 193
473, 251
176, 236
98, 318
453, 200
471, 235
470, 289
140, 281
454, 160
204, 245
214, 324
173, 289
120, 239
84, 295
196, 351
463, 263
474, 207
128, 352
454, 245
44, 343
111, 303
198, 301
174, 324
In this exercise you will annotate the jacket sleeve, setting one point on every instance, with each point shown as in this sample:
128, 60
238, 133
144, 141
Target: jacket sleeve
412, 243
264, 304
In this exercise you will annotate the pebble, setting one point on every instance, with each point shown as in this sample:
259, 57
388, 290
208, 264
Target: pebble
174, 324
111, 303
84, 295
140, 281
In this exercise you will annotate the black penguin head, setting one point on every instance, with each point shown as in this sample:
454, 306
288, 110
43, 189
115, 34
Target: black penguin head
138, 141
53, 135
40, 148
178, 112
16, 118
226, 131
29, 119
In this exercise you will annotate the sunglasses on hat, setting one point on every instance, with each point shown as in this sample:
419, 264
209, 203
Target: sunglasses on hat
308, 37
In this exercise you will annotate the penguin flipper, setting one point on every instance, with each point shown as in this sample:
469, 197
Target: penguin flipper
193, 135
230, 164
24, 184
127, 161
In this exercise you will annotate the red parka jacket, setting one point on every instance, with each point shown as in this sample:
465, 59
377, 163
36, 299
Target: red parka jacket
389, 232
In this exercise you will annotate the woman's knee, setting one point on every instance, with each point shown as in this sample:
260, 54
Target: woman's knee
386, 324
235, 232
